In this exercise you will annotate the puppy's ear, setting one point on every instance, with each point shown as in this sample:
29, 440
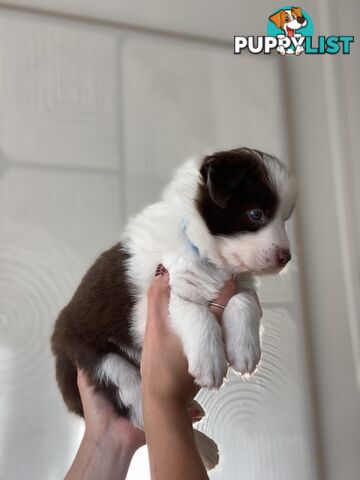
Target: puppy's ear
276, 18
218, 181
297, 11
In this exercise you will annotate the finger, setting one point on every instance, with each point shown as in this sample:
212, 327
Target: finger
85, 389
161, 278
81, 379
159, 291
160, 270
228, 290
196, 411
196, 406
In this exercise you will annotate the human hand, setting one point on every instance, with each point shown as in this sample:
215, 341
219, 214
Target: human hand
109, 441
103, 422
164, 368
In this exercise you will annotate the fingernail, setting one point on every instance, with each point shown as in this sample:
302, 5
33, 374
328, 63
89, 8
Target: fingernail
160, 270
196, 414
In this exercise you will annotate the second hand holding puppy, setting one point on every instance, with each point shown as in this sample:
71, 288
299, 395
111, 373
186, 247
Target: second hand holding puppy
168, 389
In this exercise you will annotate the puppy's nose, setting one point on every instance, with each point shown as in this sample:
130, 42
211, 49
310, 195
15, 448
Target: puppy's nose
301, 20
283, 255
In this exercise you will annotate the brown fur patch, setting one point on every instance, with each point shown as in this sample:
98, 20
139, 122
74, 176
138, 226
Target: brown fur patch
94, 323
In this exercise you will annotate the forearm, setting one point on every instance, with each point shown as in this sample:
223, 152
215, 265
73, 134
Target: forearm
103, 459
171, 443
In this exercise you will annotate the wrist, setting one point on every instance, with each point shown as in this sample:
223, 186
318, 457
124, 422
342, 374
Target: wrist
164, 416
164, 399
109, 441
154, 404
100, 458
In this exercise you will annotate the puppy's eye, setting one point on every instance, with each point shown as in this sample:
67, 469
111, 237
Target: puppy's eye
255, 215
287, 19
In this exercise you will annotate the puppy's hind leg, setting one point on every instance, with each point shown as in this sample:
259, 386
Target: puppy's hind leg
66, 376
120, 380
207, 449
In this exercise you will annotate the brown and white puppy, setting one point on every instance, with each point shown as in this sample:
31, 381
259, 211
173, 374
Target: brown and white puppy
221, 216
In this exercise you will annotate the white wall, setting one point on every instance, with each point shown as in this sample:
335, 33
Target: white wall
324, 111
94, 119
208, 19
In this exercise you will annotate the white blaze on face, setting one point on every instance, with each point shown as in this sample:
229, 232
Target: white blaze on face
293, 22
258, 252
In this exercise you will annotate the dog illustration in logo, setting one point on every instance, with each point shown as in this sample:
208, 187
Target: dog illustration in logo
289, 21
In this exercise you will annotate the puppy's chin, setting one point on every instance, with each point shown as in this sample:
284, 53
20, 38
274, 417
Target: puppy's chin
257, 271
263, 272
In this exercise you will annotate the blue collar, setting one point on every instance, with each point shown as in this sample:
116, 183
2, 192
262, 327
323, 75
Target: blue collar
191, 246
194, 250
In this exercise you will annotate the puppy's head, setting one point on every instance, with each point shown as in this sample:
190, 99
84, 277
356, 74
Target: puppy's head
245, 197
289, 20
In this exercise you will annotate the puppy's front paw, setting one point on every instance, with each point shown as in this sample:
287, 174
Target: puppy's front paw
241, 321
244, 356
208, 368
